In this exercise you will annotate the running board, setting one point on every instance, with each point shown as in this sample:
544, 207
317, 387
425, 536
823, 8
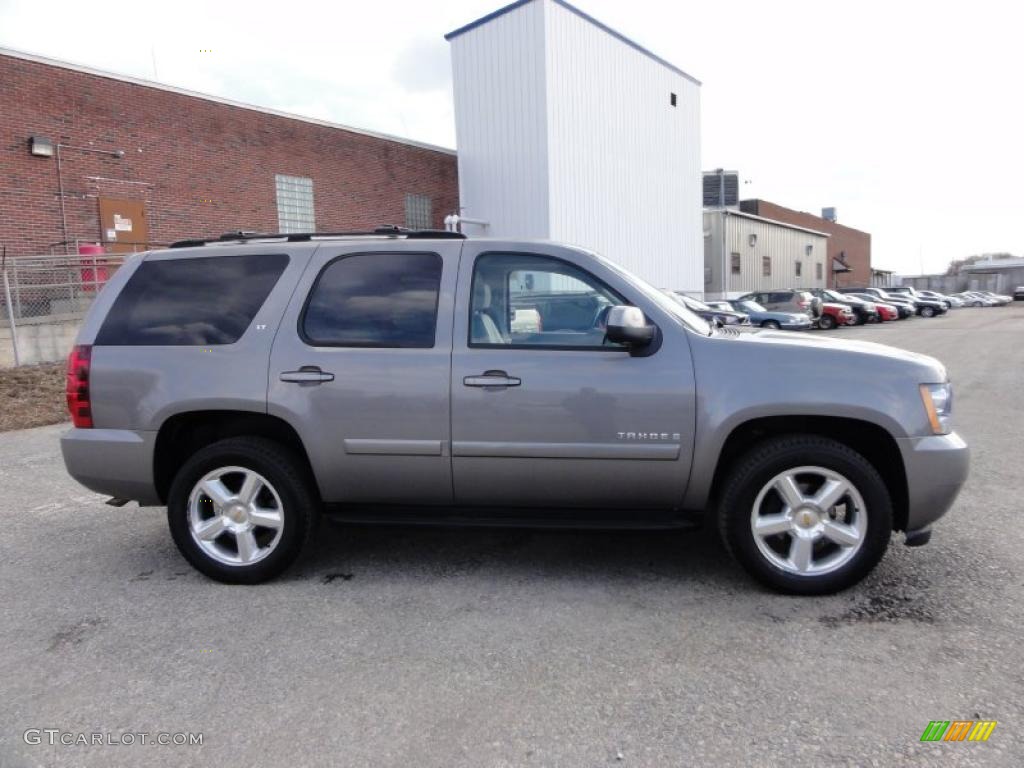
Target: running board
383, 514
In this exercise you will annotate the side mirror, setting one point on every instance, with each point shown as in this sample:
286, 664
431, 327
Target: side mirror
626, 325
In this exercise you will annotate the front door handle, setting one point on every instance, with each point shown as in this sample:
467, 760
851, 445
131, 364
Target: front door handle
492, 379
307, 374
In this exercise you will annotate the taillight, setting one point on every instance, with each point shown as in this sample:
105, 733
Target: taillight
78, 385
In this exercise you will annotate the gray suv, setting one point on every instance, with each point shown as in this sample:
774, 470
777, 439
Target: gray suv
252, 382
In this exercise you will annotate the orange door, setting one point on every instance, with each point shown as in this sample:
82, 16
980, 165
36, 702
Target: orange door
123, 226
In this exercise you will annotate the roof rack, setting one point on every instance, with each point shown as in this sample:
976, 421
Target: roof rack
302, 237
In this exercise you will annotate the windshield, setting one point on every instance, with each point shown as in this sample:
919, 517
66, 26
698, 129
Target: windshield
832, 295
674, 308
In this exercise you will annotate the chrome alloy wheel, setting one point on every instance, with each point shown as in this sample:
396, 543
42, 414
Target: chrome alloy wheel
235, 516
809, 521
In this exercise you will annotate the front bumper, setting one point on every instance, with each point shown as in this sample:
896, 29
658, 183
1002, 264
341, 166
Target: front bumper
936, 468
117, 462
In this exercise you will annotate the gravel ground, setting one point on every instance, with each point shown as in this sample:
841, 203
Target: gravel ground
405, 647
32, 395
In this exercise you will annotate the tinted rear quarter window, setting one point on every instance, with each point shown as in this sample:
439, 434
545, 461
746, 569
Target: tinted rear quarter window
375, 300
201, 301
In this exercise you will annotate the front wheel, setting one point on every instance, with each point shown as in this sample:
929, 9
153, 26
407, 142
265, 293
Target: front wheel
927, 311
805, 514
241, 510
826, 322
771, 324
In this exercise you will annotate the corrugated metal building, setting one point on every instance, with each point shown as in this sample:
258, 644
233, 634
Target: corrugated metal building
996, 275
754, 253
567, 130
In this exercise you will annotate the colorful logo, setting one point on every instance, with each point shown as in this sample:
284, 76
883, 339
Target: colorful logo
958, 730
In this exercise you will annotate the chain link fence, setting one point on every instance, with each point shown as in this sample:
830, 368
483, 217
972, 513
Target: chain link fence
43, 300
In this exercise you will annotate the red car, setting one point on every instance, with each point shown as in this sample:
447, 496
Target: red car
835, 314
887, 312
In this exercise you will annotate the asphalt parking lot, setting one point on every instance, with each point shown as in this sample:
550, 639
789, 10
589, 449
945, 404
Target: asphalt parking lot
406, 647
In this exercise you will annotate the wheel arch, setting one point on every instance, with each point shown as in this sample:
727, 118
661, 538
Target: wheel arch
182, 434
870, 440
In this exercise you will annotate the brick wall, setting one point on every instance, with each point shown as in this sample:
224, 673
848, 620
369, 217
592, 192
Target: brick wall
854, 244
181, 151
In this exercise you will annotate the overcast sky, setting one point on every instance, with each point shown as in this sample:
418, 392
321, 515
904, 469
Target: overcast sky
906, 116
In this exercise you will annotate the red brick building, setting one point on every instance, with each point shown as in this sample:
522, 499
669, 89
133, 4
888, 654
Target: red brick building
138, 163
848, 248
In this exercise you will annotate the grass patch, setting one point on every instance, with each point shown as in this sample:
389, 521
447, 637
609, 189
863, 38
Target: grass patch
32, 396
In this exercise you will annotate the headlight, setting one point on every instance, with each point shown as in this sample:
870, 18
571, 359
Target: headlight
938, 404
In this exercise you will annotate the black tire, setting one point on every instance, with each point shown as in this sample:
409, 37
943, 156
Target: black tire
763, 462
927, 311
826, 322
300, 505
771, 324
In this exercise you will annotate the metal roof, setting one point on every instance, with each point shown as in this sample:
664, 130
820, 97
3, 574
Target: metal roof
786, 224
586, 17
207, 97
985, 266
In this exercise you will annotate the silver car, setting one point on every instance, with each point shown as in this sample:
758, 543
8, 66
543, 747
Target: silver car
251, 383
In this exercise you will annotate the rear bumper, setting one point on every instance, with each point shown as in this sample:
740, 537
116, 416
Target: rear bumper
118, 462
936, 467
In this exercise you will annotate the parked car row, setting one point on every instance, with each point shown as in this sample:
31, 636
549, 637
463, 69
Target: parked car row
984, 298
827, 308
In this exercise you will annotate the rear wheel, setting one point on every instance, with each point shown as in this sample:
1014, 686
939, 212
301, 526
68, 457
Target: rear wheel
773, 324
826, 322
241, 510
805, 514
927, 311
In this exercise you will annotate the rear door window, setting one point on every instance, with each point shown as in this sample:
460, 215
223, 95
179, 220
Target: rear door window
202, 301
374, 300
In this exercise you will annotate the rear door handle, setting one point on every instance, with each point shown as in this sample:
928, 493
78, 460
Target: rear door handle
492, 379
308, 374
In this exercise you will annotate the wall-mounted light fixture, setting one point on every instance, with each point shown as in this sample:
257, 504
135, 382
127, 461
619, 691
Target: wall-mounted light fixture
753, 239
40, 146
43, 147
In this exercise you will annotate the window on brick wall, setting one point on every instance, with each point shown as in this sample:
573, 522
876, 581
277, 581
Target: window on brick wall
418, 212
295, 211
